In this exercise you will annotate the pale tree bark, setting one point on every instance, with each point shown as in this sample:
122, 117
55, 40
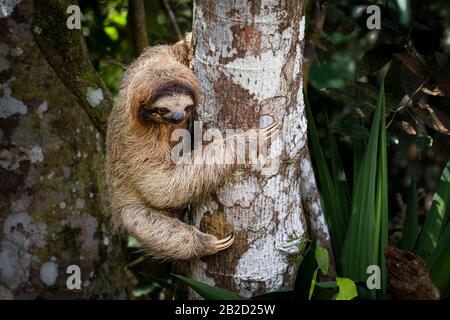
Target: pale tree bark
248, 57
52, 193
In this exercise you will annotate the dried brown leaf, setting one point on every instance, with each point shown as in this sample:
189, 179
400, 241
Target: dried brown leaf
432, 117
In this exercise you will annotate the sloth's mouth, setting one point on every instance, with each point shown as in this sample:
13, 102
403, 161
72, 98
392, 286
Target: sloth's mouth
176, 121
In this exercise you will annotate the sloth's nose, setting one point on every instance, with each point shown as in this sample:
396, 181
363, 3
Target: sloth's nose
177, 116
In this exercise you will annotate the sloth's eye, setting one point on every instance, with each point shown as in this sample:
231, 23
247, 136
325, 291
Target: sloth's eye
189, 108
161, 110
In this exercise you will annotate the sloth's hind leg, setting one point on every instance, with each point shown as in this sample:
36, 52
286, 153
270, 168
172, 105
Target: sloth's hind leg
168, 238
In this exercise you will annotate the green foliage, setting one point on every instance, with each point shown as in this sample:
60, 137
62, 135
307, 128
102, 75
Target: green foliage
363, 242
433, 243
306, 273
436, 218
439, 262
366, 236
209, 292
306, 286
347, 289
362, 245
336, 215
322, 259
108, 36
411, 53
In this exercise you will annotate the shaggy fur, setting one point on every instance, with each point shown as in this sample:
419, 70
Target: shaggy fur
146, 188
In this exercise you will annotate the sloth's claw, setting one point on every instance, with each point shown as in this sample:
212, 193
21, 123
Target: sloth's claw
224, 243
209, 244
224, 239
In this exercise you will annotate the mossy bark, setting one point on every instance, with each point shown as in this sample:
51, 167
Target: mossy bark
53, 203
65, 50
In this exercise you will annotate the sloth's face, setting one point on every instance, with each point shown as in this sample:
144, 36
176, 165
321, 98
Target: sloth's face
173, 109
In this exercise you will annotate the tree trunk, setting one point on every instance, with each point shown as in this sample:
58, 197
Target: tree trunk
52, 194
248, 58
136, 19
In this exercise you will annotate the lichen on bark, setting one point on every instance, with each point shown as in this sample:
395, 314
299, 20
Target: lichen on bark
52, 199
65, 51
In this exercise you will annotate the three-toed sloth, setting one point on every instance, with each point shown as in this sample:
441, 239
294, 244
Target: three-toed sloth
158, 94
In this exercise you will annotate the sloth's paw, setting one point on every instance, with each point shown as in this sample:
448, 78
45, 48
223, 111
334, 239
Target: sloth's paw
209, 244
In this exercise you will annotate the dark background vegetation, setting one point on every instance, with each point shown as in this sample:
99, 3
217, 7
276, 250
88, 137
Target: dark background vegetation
413, 47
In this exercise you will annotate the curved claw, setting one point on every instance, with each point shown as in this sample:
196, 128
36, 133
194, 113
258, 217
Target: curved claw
224, 243
225, 239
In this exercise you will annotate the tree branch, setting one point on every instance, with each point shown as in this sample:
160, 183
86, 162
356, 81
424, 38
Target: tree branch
173, 19
65, 51
137, 20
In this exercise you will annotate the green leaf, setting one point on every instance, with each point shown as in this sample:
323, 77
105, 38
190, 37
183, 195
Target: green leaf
358, 155
434, 223
334, 216
119, 18
209, 292
327, 284
411, 225
313, 284
324, 290
439, 263
275, 295
347, 289
322, 259
342, 193
112, 32
381, 208
367, 232
160, 282
305, 273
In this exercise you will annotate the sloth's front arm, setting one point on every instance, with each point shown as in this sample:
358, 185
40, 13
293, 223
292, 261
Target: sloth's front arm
167, 237
181, 184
